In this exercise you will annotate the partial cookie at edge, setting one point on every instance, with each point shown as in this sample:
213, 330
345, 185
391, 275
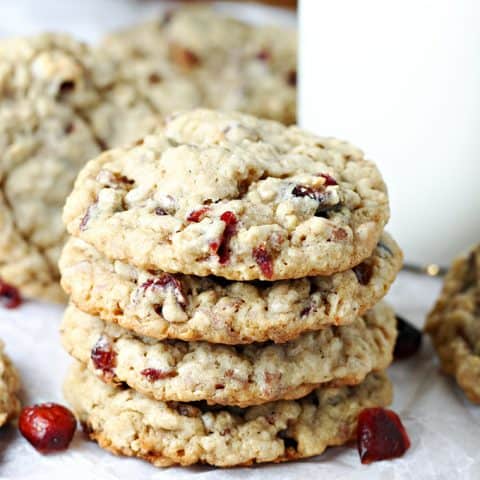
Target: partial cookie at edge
454, 323
9, 388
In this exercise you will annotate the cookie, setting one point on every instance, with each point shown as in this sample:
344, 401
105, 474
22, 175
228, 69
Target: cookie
127, 423
226, 194
123, 116
454, 323
53, 95
199, 57
9, 388
232, 375
55, 66
185, 307
43, 144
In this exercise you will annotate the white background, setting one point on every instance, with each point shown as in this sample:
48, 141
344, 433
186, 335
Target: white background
402, 80
443, 427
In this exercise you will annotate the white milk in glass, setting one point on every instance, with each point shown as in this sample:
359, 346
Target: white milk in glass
401, 80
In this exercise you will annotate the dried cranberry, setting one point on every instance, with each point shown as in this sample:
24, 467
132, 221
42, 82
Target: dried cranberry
264, 55
363, 272
214, 246
409, 339
264, 260
197, 215
167, 281
380, 435
9, 295
310, 192
329, 180
153, 374
49, 427
222, 248
103, 356
292, 78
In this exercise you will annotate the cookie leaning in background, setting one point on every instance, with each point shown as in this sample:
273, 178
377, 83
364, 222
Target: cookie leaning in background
232, 375
227, 194
125, 422
205, 58
160, 305
9, 388
50, 86
62, 102
454, 323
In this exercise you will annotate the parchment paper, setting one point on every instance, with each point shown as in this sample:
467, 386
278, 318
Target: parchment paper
443, 426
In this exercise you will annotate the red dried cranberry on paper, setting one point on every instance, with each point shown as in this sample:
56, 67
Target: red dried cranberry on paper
380, 435
49, 427
409, 339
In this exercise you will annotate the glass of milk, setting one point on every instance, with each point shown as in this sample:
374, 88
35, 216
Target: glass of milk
402, 81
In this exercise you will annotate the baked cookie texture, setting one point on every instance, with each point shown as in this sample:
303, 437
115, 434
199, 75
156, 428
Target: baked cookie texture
198, 57
43, 144
185, 307
63, 102
233, 375
227, 194
127, 423
71, 73
9, 388
49, 87
454, 323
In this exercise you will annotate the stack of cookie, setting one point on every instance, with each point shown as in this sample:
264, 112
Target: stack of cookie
224, 275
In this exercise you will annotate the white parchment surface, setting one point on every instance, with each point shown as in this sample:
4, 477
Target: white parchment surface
443, 426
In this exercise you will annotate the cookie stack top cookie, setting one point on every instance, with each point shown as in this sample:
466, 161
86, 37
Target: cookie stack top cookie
229, 195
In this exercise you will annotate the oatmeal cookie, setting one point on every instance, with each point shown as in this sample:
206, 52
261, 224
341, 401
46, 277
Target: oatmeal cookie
454, 323
232, 375
196, 56
127, 423
227, 194
186, 307
9, 388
